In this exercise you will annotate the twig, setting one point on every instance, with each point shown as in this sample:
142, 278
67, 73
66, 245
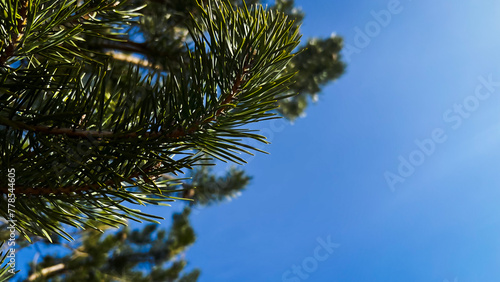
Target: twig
131, 59
48, 270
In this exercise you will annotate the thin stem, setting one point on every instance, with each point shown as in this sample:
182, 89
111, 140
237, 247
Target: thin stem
47, 271
131, 59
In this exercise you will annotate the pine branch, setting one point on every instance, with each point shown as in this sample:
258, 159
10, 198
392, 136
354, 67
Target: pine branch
239, 80
178, 133
231, 76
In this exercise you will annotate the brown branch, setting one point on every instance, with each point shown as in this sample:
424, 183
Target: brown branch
82, 133
47, 271
131, 59
134, 47
57, 268
78, 133
17, 33
239, 80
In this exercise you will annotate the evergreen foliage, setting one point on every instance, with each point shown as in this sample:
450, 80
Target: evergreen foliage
103, 103
56, 103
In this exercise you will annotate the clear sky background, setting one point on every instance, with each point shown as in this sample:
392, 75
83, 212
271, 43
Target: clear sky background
325, 179
325, 175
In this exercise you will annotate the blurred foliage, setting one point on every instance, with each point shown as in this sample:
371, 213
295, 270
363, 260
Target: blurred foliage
149, 254
163, 40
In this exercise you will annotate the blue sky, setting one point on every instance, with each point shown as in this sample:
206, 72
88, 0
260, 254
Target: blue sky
325, 178
325, 175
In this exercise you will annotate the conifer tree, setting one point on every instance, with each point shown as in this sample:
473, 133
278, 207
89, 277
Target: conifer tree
105, 102
148, 254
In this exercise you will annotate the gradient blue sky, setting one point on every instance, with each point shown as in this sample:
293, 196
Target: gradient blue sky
325, 175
